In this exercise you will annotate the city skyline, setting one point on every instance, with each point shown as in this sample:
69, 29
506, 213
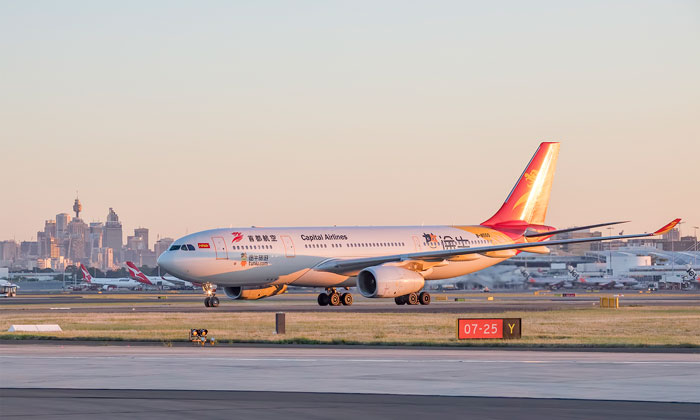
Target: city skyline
217, 115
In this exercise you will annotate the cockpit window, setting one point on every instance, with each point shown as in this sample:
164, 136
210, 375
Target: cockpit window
175, 247
190, 247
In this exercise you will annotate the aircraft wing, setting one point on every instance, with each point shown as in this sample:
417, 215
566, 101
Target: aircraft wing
353, 265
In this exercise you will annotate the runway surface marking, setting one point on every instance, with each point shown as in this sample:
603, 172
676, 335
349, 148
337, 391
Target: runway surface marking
295, 359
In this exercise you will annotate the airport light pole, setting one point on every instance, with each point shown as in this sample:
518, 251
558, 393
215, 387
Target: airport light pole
696, 246
610, 269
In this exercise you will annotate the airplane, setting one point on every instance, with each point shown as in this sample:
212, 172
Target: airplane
607, 282
684, 281
552, 282
382, 262
162, 281
8, 289
109, 283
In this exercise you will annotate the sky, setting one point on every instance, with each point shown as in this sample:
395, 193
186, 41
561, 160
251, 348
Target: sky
189, 115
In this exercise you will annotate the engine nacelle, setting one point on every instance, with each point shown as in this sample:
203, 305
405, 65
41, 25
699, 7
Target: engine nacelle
387, 281
242, 293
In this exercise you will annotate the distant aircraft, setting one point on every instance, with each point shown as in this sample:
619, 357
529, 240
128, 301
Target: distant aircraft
550, 282
8, 289
685, 281
162, 281
383, 262
607, 282
109, 283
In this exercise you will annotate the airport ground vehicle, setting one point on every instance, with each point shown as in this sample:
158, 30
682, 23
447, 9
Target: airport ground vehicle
382, 262
8, 289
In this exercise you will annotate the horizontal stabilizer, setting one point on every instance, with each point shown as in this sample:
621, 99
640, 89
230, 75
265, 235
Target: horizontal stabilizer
536, 250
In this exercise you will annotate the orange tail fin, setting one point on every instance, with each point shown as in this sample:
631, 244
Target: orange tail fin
528, 200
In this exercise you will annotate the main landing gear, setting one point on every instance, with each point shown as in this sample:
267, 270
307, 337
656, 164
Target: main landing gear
333, 298
211, 301
413, 299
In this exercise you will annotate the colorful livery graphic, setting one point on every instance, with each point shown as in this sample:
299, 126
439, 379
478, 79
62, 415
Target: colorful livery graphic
382, 262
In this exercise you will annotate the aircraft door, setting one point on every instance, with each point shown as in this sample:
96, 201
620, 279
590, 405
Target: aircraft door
220, 248
289, 250
416, 242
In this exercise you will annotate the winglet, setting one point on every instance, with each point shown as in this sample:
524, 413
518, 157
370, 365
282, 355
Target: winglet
667, 227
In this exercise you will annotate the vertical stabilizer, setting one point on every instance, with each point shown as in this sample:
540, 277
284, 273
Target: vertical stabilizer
86, 273
137, 274
528, 200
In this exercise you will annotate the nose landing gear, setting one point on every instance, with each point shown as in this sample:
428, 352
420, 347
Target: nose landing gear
333, 298
211, 301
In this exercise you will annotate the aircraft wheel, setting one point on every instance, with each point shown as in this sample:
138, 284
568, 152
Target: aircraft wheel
412, 299
400, 300
323, 299
334, 299
346, 299
424, 298
214, 301
207, 301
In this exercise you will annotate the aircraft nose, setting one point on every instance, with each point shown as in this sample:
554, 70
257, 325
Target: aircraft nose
165, 261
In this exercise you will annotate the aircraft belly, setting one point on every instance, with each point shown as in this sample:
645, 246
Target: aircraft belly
460, 268
314, 278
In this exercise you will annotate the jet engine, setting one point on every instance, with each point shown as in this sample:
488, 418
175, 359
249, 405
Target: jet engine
387, 281
253, 294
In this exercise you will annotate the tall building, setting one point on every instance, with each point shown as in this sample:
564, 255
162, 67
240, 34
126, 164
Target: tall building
95, 239
77, 240
9, 251
672, 235
77, 208
54, 249
28, 250
112, 236
135, 243
143, 234
62, 220
50, 228
162, 245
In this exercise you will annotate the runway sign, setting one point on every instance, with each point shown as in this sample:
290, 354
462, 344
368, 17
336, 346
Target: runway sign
475, 328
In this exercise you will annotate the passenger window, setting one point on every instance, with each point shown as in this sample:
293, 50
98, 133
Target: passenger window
175, 247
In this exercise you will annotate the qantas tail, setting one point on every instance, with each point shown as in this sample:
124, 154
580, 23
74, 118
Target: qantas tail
136, 274
528, 200
86, 273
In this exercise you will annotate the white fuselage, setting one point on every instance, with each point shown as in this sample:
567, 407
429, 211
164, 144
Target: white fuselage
120, 283
262, 256
167, 281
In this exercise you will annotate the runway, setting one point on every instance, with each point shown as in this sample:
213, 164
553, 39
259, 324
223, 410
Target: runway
306, 302
307, 382
669, 377
130, 404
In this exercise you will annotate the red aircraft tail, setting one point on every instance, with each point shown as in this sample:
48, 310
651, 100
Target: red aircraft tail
528, 200
136, 274
86, 273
